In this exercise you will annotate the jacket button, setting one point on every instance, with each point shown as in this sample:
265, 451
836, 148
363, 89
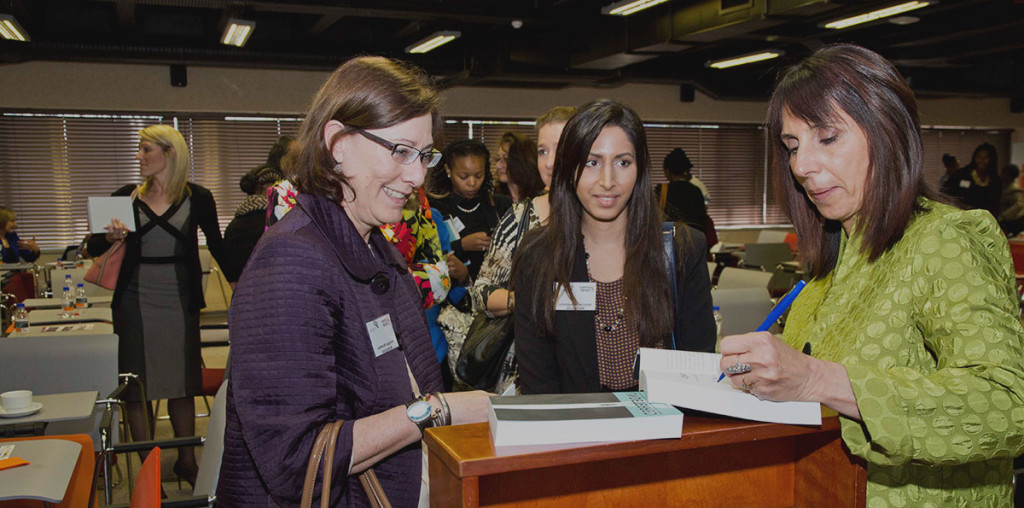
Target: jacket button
380, 284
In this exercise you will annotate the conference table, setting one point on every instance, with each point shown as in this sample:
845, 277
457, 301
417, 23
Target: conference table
55, 303
717, 462
55, 316
56, 407
46, 477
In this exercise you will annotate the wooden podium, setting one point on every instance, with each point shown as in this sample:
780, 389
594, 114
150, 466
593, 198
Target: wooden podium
715, 463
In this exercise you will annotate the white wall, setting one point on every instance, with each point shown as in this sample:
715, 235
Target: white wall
84, 86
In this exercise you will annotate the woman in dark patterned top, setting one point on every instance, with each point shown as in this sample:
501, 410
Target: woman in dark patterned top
592, 284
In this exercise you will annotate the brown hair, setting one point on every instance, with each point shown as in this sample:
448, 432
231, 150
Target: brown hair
645, 280
6, 216
522, 165
871, 91
363, 93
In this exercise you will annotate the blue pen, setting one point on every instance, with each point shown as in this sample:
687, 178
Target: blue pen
777, 311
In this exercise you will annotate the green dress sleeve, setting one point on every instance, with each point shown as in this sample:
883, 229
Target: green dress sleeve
970, 406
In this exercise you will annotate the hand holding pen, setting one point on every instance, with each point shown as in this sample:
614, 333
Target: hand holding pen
769, 368
773, 316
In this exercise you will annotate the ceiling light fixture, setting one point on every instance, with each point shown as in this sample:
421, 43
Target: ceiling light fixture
627, 7
433, 41
745, 59
237, 32
11, 30
879, 14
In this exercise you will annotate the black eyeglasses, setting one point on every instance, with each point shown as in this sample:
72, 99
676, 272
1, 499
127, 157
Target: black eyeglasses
405, 154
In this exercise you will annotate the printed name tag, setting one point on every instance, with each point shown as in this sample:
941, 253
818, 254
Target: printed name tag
456, 226
382, 335
585, 293
965, 184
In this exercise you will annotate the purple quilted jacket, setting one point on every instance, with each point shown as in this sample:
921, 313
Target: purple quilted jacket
301, 357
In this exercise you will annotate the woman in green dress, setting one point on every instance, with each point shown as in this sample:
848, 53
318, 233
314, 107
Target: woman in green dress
910, 318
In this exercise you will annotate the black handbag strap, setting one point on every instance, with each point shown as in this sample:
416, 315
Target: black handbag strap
668, 244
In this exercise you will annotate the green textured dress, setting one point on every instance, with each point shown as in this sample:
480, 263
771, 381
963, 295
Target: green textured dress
930, 338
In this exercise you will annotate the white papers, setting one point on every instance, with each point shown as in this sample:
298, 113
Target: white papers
103, 209
690, 380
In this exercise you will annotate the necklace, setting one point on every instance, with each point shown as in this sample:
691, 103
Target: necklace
606, 325
471, 210
982, 182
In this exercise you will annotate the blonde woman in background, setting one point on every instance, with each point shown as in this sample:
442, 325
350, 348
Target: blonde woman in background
159, 289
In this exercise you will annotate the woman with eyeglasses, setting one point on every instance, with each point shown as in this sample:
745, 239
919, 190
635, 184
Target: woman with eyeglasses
463, 190
326, 322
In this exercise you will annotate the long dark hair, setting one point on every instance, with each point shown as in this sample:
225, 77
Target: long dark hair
645, 281
363, 93
993, 161
869, 89
439, 184
522, 166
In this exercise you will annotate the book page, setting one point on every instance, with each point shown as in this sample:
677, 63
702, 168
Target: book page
667, 360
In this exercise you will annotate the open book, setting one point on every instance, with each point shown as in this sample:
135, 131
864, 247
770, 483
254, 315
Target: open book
690, 380
580, 418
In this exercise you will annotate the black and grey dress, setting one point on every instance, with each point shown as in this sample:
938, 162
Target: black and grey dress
159, 293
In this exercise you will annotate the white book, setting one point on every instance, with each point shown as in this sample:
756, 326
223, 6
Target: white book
690, 380
555, 419
103, 209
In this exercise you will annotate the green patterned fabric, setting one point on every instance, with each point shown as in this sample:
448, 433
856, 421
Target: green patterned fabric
930, 338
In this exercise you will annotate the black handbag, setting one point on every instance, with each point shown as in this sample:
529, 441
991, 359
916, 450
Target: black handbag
486, 346
488, 339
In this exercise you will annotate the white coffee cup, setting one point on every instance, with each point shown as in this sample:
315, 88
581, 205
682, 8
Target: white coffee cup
15, 400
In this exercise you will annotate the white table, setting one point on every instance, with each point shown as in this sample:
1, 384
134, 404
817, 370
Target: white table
53, 316
16, 266
55, 303
56, 407
66, 329
46, 477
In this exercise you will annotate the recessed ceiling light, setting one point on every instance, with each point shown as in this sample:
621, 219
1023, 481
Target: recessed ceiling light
11, 30
760, 56
878, 14
237, 32
904, 20
627, 7
433, 41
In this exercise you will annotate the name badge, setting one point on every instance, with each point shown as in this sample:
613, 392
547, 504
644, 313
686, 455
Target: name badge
965, 184
456, 226
382, 335
585, 293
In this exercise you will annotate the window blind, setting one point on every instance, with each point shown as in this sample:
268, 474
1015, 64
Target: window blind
50, 162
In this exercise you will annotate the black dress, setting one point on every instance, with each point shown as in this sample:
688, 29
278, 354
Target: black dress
473, 215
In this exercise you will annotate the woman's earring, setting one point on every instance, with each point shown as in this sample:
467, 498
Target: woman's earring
337, 167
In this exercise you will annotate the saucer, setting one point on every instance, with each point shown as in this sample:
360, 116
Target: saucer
25, 411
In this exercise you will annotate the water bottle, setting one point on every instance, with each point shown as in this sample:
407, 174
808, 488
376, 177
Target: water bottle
718, 326
67, 280
20, 318
81, 301
79, 260
68, 305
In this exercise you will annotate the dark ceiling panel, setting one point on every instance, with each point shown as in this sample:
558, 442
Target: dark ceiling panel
957, 47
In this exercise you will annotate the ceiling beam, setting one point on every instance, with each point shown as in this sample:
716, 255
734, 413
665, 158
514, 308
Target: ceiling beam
361, 12
323, 23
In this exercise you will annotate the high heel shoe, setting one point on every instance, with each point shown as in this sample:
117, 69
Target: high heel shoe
188, 476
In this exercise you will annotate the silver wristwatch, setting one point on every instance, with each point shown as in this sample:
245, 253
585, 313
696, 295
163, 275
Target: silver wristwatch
419, 411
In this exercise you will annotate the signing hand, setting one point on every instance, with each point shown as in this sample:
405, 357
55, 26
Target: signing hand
116, 231
779, 372
457, 269
476, 241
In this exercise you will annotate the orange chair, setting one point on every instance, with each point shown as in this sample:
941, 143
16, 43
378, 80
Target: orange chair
80, 487
147, 483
